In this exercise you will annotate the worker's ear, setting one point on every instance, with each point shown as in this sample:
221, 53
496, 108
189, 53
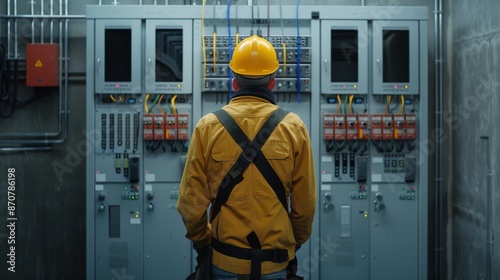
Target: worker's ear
236, 87
271, 83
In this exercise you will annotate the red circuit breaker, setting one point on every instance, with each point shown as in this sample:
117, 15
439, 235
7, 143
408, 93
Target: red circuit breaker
182, 126
376, 127
171, 127
159, 127
411, 126
399, 127
363, 130
328, 127
42, 65
352, 127
147, 127
387, 127
340, 127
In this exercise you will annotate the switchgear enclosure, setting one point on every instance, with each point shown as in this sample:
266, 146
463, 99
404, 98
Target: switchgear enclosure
42, 65
372, 209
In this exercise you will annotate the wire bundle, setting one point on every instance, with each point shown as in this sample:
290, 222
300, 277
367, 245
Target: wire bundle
7, 97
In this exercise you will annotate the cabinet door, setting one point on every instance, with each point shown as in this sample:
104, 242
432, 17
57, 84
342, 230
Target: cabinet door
167, 251
344, 52
395, 57
394, 232
344, 247
118, 56
118, 233
169, 58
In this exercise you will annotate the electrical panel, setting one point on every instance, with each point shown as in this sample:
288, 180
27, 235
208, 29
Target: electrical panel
42, 65
371, 183
358, 83
142, 124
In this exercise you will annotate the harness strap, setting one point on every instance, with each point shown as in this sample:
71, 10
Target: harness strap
268, 255
251, 153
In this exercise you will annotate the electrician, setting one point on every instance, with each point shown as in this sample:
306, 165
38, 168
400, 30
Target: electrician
249, 160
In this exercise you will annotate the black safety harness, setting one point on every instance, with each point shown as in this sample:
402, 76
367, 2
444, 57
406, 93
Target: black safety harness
251, 153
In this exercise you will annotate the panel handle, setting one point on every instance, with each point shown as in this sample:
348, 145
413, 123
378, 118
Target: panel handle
98, 64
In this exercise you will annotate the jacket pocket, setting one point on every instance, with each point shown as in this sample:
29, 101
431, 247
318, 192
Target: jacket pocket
224, 157
278, 156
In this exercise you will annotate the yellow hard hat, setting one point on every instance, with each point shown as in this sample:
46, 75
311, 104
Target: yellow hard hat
254, 58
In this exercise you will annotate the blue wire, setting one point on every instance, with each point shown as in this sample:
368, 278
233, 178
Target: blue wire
298, 54
230, 44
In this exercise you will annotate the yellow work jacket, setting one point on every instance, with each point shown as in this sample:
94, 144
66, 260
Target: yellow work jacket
252, 205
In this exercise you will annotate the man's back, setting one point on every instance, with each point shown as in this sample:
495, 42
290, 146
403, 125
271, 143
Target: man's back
253, 205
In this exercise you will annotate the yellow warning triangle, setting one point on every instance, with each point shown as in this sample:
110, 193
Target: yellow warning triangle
39, 64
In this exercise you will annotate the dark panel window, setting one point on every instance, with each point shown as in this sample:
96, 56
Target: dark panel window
114, 221
344, 54
169, 55
396, 56
118, 55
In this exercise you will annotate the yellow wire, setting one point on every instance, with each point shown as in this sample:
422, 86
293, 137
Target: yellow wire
215, 50
112, 97
284, 57
146, 108
351, 97
340, 103
402, 108
237, 38
172, 101
159, 105
203, 43
387, 105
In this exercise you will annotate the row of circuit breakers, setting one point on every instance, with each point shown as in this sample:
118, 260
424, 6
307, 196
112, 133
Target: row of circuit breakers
335, 127
366, 127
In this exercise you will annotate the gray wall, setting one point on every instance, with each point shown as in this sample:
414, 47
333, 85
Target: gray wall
472, 88
50, 237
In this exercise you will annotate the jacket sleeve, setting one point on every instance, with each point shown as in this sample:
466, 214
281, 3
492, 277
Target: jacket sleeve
194, 194
303, 193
